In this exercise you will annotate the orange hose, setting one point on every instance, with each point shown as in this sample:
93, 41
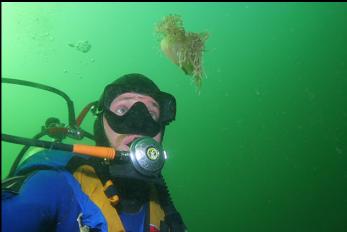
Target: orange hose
96, 151
83, 113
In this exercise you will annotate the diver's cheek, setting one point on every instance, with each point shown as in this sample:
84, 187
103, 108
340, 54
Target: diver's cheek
117, 142
120, 144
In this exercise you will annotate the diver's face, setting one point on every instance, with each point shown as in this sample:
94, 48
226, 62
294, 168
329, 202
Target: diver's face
120, 105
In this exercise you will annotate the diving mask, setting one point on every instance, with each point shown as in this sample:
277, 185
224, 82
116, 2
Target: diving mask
137, 120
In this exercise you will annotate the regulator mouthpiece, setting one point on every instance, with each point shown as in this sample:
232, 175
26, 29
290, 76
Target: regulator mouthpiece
147, 156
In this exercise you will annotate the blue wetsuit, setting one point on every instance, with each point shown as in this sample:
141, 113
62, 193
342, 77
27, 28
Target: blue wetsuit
52, 200
49, 199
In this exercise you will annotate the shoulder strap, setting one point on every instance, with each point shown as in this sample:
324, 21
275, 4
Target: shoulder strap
103, 193
92, 186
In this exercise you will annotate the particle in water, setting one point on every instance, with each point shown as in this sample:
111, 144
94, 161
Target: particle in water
82, 46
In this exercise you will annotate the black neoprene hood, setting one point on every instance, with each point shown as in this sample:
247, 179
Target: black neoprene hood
138, 83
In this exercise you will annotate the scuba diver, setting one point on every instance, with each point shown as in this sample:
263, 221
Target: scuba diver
60, 190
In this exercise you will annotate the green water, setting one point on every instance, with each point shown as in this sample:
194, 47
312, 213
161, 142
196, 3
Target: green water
263, 147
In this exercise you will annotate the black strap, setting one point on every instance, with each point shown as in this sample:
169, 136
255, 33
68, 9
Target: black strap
111, 191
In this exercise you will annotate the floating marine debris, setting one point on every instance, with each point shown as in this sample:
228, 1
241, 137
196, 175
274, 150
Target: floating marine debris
183, 48
82, 46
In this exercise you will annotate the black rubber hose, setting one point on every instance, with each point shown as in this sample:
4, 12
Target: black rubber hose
36, 143
21, 154
71, 109
173, 220
88, 135
164, 196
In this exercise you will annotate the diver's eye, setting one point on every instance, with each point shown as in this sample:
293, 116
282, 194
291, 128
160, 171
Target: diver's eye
121, 110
